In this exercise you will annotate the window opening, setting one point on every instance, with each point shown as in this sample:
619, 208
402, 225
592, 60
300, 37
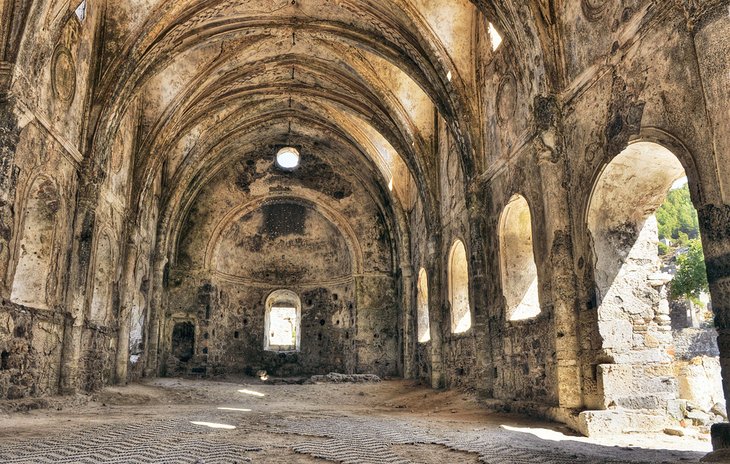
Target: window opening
283, 322
494, 37
424, 327
459, 289
288, 158
81, 11
282, 329
519, 272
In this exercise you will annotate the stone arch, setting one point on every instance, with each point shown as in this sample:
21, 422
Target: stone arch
627, 192
634, 324
517, 261
101, 299
33, 280
328, 213
279, 328
424, 326
459, 288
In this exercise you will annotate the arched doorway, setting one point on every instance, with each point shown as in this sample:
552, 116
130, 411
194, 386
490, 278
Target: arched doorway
648, 361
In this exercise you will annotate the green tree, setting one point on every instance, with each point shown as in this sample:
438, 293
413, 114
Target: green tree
677, 216
691, 278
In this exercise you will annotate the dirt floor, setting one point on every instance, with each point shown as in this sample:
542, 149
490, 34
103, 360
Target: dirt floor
246, 420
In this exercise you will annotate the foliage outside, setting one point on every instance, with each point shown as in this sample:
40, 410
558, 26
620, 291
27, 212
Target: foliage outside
677, 217
678, 223
691, 278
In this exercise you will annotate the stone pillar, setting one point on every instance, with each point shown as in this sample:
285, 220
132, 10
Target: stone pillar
479, 296
79, 267
9, 138
155, 319
560, 263
125, 308
715, 229
409, 340
438, 323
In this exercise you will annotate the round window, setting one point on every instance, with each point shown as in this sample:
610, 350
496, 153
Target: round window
287, 158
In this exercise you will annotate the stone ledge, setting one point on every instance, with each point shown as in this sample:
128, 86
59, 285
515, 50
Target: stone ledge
619, 421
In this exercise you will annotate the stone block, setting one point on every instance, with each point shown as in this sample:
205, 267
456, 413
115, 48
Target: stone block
619, 421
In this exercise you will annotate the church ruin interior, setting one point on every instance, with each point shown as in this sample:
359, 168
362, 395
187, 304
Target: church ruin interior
364, 231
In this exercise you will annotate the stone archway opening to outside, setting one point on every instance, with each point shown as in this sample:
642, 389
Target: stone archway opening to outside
645, 240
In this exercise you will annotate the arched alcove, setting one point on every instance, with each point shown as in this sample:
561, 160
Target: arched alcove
459, 289
519, 272
103, 279
33, 271
283, 321
283, 243
424, 327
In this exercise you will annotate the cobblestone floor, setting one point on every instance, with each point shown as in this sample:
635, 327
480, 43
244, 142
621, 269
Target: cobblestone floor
186, 429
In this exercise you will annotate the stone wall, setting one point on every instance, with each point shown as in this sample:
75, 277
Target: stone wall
30, 351
228, 265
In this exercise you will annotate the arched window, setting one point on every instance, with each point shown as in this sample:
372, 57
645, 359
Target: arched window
103, 278
459, 289
519, 273
35, 251
424, 327
283, 321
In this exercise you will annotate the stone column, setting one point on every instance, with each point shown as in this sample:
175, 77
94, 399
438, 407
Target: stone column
408, 289
560, 263
155, 319
9, 138
479, 296
715, 229
709, 23
79, 267
125, 308
436, 314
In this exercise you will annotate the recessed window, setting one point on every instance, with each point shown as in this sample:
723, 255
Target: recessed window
519, 272
494, 37
283, 321
424, 329
287, 158
459, 289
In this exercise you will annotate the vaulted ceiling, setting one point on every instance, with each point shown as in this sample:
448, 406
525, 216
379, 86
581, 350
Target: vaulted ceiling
367, 81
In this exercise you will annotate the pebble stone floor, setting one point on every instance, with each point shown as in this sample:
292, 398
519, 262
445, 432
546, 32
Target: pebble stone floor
351, 439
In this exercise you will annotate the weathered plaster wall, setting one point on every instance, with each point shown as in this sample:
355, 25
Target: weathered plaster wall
323, 238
